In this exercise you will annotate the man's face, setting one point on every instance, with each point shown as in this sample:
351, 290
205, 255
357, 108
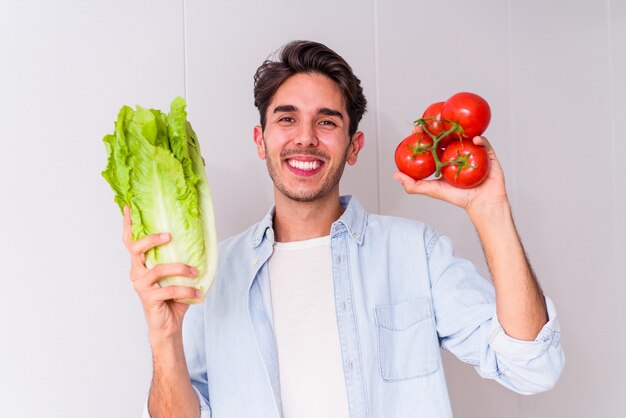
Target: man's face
306, 143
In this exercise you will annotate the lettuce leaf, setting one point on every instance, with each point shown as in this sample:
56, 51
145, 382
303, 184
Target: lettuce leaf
155, 167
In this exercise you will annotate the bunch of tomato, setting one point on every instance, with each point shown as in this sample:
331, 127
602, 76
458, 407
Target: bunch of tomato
441, 142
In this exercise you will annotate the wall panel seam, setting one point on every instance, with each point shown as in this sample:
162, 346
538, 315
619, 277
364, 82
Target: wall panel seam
613, 183
185, 49
512, 185
377, 103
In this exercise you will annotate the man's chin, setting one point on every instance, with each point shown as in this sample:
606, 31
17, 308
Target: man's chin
304, 196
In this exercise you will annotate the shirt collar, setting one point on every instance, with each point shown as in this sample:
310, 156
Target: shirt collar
264, 229
353, 220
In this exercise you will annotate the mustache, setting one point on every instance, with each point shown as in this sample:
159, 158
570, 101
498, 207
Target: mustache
305, 152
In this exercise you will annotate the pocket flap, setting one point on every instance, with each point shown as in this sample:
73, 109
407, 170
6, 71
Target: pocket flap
402, 315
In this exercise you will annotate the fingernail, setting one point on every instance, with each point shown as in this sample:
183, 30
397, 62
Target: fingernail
198, 293
193, 271
164, 236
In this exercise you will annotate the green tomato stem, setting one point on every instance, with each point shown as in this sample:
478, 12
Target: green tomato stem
454, 127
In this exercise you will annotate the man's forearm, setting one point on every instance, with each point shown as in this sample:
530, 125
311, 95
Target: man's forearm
171, 393
519, 300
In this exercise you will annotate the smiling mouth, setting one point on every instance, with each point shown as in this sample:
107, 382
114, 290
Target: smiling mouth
304, 165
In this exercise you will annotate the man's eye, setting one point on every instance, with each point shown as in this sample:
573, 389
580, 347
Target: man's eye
286, 119
328, 123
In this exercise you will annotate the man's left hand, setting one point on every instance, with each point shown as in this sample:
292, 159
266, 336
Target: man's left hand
491, 191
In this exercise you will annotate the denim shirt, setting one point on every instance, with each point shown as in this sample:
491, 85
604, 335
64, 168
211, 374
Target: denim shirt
400, 296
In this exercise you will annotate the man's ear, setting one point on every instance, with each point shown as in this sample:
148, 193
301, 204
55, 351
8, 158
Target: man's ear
356, 145
258, 140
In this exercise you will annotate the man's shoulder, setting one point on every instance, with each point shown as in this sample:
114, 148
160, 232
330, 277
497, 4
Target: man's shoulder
397, 223
356, 217
240, 241
396, 229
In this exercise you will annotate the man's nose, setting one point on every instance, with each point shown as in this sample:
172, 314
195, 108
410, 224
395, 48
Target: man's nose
306, 135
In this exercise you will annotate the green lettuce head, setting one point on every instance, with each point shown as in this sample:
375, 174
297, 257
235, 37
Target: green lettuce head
155, 168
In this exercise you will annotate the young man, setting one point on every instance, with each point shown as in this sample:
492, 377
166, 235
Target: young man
323, 310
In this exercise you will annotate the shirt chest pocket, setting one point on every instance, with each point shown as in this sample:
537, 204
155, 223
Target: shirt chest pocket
407, 340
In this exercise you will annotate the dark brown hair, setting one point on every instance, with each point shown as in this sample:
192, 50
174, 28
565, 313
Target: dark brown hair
309, 57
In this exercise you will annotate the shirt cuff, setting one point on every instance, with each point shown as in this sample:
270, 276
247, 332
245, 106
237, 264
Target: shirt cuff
515, 349
205, 410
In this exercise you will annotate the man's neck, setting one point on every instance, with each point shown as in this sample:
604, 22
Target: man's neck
299, 221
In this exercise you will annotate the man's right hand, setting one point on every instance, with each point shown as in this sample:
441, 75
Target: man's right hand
163, 313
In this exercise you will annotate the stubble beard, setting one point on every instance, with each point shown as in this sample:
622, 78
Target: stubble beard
331, 182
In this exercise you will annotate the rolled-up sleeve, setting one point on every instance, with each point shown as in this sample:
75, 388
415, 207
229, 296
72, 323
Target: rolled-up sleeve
529, 366
468, 326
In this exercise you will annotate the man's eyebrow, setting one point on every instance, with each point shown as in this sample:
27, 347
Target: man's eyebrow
323, 110
331, 112
285, 108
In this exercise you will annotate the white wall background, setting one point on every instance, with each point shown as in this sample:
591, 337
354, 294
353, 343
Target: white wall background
72, 338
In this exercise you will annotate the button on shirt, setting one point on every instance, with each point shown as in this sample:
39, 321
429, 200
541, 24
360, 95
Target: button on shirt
401, 296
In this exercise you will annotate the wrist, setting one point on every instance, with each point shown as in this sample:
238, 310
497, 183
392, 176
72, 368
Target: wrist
490, 213
166, 343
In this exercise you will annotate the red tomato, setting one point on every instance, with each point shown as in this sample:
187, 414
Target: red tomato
469, 110
434, 126
413, 157
471, 167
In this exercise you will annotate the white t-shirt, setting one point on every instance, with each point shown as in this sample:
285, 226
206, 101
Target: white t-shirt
312, 382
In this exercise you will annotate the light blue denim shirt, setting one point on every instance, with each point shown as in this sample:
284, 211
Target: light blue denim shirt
400, 296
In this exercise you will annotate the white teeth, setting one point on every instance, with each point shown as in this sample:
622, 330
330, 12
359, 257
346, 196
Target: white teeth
304, 165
